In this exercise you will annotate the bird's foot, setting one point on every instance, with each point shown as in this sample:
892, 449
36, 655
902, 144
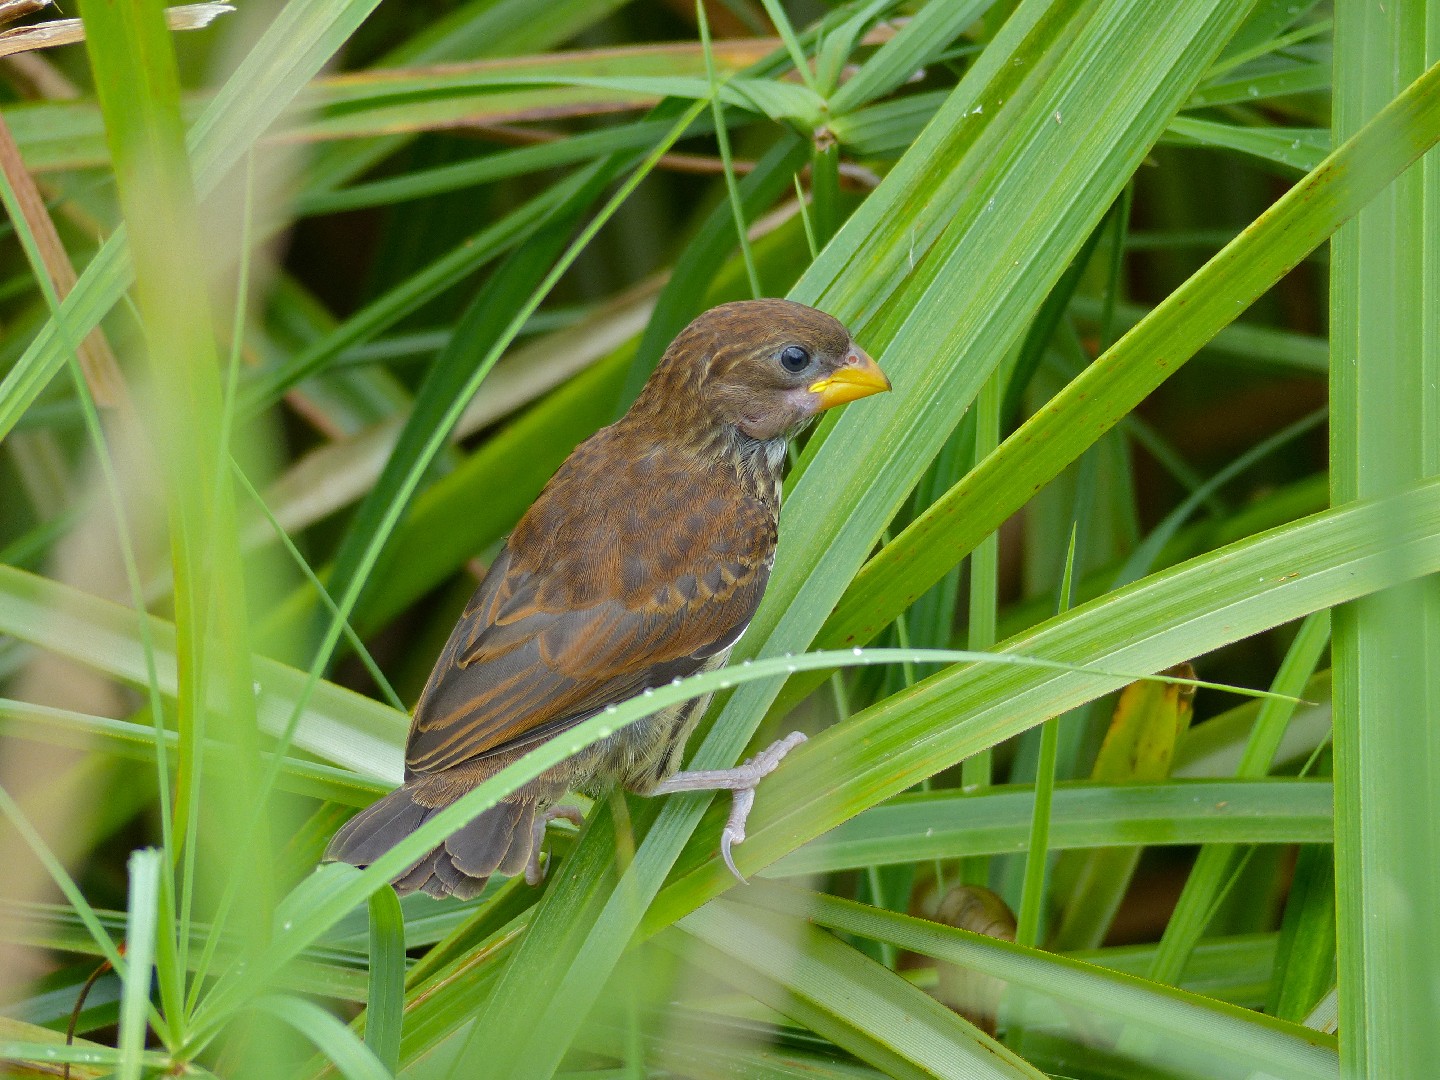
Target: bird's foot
535, 869
742, 780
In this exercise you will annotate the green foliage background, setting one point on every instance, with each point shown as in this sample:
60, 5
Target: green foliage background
353, 279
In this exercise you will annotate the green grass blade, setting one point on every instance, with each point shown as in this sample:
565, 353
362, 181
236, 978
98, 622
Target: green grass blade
1385, 340
340, 725
1209, 1031
386, 1000
1196, 904
341, 1046
924, 35
1305, 956
858, 1004
145, 870
722, 138
952, 823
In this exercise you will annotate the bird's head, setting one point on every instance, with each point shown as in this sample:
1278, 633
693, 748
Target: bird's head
764, 367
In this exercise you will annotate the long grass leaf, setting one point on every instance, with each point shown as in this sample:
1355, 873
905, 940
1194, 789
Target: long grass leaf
1385, 342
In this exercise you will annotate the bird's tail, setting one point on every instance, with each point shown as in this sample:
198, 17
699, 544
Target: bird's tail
498, 841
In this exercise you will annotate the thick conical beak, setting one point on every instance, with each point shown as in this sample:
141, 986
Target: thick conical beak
858, 377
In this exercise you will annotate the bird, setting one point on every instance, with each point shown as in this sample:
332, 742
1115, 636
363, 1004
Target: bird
641, 562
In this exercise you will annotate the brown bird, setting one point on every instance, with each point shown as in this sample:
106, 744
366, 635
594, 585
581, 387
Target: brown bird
641, 562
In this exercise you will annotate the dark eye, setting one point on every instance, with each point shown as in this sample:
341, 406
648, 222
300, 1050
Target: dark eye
794, 359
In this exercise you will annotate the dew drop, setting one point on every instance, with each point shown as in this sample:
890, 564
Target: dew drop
675, 681
649, 692
855, 651
724, 684
791, 668
609, 708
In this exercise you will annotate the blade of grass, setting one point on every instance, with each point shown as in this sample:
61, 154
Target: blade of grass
145, 870
1037, 856
722, 137
1201, 1025
137, 742
129, 47
928, 32
782, 25
97, 361
341, 725
1385, 340
383, 1013
1195, 907
341, 1046
1305, 956
837, 992
944, 824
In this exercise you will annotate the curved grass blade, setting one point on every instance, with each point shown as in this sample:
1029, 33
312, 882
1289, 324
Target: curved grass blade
1201, 1025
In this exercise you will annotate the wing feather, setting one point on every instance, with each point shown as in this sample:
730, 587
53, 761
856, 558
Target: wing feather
526, 661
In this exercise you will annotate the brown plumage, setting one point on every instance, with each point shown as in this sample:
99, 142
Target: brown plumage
642, 561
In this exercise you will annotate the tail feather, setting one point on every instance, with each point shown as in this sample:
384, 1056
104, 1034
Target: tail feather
377, 828
480, 847
522, 839
498, 840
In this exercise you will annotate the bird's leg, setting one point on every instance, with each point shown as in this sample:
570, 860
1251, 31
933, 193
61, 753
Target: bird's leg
742, 780
535, 870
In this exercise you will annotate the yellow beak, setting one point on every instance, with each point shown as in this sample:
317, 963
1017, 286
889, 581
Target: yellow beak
858, 377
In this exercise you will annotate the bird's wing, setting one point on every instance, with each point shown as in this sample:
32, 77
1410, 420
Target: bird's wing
538, 650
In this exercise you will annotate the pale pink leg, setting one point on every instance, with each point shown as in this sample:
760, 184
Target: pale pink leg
742, 780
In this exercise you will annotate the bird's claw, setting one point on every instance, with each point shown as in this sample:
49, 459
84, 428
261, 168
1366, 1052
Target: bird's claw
539, 863
759, 766
728, 838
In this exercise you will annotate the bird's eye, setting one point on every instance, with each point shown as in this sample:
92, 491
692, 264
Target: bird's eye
794, 359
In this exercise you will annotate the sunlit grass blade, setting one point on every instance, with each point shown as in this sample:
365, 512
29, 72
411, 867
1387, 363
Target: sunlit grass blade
340, 725
145, 870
